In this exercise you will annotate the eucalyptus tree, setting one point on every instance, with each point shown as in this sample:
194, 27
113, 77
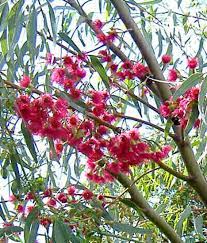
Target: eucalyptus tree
103, 121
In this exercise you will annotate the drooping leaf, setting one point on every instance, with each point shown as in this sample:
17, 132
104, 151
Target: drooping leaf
202, 98
32, 33
130, 229
62, 233
198, 222
29, 140
193, 117
187, 84
184, 215
100, 69
30, 228
68, 40
52, 21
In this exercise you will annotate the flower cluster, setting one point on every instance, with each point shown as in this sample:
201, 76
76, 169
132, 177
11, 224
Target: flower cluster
127, 70
180, 109
49, 117
123, 151
101, 36
69, 75
49, 203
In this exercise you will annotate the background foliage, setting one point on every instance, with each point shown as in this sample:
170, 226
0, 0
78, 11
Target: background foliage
31, 29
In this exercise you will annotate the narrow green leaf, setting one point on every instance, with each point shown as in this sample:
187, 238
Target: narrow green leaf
187, 84
3, 17
2, 213
160, 39
62, 233
193, 117
32, 33
100, 69
198, 222
33, 231
15, 169
130, 229
52, 21
168, 126
68, 40
202, 97
29, 140
12, 229
29, 230
3, 40
184, 215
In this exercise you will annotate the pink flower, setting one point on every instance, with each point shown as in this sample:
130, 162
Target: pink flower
71, 190
45, 222
20, 208
58, 75
140, 70
98, 24
165, 110
30, 196
102, 38
192, 62
87, 194
166, 59
12, 198
50, 58
25, 81
100, 197
51, 202
62, 197
172, 75
47, 192
197, 123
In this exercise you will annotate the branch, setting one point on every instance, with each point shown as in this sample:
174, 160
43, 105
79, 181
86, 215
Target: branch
149, 212
143, 46
82, 13
198, 181
133, 183
173, 172
88, 114
137, 97
143, 122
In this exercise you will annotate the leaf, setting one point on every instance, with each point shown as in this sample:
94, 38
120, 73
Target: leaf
145, 2
12, 229
160, 39
184, 215
130, 203
100, 69
2, 213
187, 84
168, 126
32, 33
33, 231
68, 40
193, 117
15, 169
62, 233
29, 140
202, 97
29, 229
52, 21
130, 229
79, 106
3, 17
198, 222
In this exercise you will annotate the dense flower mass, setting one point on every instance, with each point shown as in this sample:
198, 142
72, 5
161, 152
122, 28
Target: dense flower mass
54, 118
181, 108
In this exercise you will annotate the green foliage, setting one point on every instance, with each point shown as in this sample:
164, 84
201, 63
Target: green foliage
29, 30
